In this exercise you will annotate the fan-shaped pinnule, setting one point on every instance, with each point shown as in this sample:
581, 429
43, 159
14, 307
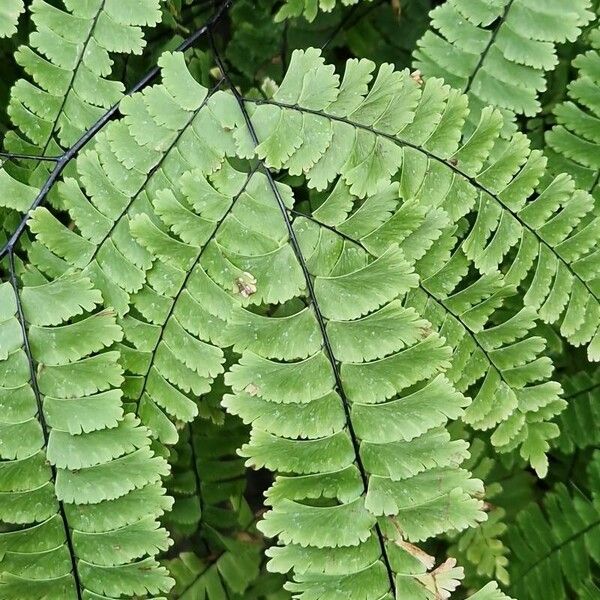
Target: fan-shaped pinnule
9, 17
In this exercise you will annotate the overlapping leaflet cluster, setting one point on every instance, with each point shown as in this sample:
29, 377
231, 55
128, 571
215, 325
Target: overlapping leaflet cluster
582, 395
208, 484
208, 478
169, 349
507, 242
346, 385
357, 338
297, 312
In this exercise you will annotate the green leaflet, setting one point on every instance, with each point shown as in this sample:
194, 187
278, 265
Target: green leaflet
573, 143
509, 488
208, 483
68, 86
497, 52
72, 478
9, 16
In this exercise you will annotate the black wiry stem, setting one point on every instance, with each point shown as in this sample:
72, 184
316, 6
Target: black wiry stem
319, 316
69, 154
17, 156
41, 416
448, 163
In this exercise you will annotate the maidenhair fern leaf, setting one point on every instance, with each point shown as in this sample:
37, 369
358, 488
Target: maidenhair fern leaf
573, 144
497, 51
208, 483
68, 64
9, 16
289, 315
80, 489
489, 354
368, 135
317, 126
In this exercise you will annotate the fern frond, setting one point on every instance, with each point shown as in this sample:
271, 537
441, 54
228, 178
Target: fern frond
497, 51
578, 423
9, 16
589, 591
268, 586
573, 144
555, 545
68, 64
428, 130
226, 574
80, 488
310, 416
208, 479
488, 353
367, 135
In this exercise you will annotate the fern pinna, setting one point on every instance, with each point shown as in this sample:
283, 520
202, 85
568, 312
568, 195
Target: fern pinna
573, 142
497, 51
80, 486
355, 281
69, 61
